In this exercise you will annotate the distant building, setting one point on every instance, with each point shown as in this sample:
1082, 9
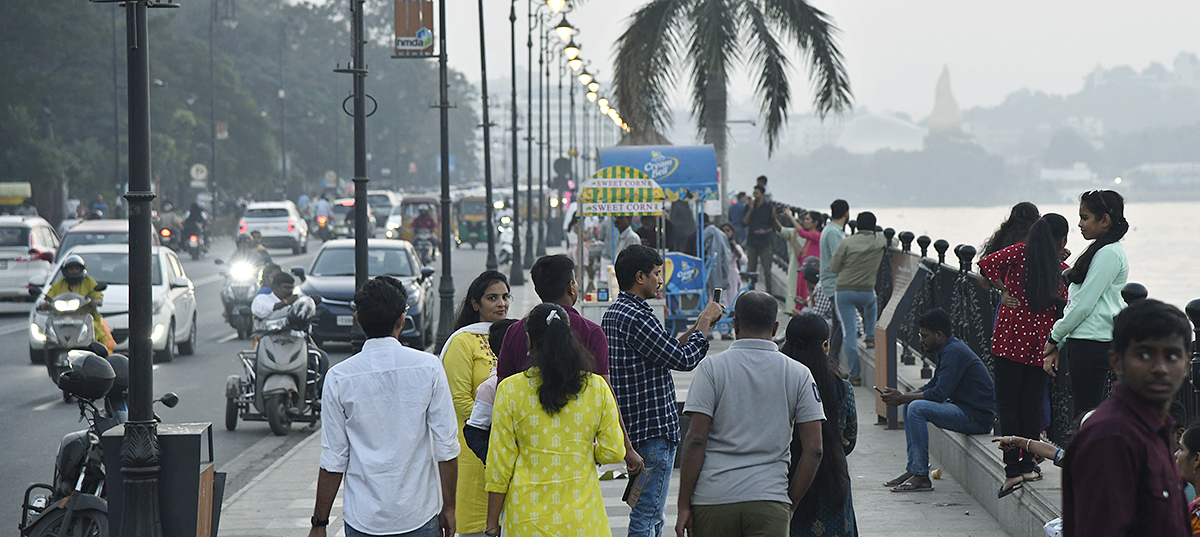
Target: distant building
946, 115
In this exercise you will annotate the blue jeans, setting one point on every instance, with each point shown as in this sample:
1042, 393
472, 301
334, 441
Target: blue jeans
946, 416
848, 302
430, 529
646, 518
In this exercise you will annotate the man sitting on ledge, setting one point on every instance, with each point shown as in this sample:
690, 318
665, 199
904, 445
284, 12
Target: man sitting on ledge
959, 398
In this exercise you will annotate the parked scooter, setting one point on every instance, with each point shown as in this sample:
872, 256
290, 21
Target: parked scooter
75, 504
284, 373
67, 327
426, 245
241, 286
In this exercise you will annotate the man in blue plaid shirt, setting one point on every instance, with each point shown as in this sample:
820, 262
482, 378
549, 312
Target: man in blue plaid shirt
641, 356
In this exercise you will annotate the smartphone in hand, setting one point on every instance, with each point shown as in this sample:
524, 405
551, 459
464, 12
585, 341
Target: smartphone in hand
717, 295
878, 390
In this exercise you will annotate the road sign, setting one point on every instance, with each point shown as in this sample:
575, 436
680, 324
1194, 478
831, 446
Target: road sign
414, 20
199, 172
222, 131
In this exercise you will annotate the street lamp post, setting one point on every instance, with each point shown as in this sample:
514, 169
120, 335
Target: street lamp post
490, 220
529, 246
543, 150
446, 287
516, 274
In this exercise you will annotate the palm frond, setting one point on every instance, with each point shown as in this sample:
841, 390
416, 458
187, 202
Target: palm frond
772, 87
713, 48
816, 36
642, 70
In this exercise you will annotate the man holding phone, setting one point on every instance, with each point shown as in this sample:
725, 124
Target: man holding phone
760, 224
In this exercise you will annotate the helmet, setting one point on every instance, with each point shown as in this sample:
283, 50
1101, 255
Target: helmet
74, 260
90, 376
120, 365
302, 312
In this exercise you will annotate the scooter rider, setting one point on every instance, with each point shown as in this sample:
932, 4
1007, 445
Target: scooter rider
282, 296
75, 279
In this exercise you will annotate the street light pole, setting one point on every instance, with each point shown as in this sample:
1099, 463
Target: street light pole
517, 273
212, 110
446, 287
543, 170
490, 221
283, 161
529, 144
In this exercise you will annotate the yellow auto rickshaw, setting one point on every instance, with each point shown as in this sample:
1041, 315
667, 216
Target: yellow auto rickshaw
472, 220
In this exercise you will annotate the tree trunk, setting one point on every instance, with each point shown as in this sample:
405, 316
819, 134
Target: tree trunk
715, 130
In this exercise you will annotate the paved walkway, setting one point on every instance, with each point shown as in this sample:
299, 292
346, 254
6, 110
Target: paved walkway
279, 501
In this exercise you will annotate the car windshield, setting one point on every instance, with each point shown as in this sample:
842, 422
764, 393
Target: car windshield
474, 207
78, 239
267, 213
14, 236
113, 268
380, 262
340, 209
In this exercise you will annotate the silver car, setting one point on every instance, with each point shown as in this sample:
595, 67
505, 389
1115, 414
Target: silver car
27, 245
280, 224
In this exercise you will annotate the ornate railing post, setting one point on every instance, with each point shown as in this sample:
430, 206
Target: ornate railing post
1133, 292
906, 240
941, 246
889, 234
923, 241
1193, 313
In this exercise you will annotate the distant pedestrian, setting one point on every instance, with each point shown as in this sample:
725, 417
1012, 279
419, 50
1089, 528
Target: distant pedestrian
642, 355
803, 238
760, 249
831, 237
716, 248
828, 511
734, 480
99, 208
1030, 275
761, 182
1119, 475
626, 237
399, 472
959, 398
551, 426
468, 360
1093, 299
737, 257
736, 212
1013, 230
856, 263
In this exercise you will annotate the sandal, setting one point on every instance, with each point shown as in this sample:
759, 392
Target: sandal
1036, 473
870, 343
1006, 491
899, 480
911, 486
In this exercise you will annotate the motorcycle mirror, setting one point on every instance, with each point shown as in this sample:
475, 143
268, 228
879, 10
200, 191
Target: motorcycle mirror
426, 272
98, 348
299, 272
218, 261
35, 291
101, 286
169, 399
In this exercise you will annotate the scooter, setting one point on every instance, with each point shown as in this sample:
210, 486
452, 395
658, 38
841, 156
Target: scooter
324, 228
170, 237
67, 327
426, 245
75, 503
284, 373
194, 241
505, 239
241, 286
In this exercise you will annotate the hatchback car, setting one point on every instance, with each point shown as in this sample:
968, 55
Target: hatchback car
343, 218
27, 245
331, 277
174, 300
280, 224
381, 203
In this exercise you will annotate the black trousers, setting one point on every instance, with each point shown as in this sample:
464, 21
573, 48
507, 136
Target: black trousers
1019, 392
1087, 361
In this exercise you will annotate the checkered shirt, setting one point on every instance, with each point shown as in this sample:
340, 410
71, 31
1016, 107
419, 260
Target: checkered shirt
822, 303
641, 355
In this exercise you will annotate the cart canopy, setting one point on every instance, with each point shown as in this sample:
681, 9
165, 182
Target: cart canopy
621, 191
688, 172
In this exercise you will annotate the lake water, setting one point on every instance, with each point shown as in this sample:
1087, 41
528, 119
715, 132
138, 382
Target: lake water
1163, 243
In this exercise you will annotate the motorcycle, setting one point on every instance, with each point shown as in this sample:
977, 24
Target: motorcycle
324, 228
170, 237
426, 245
68, 327
194, 241
505, 239
283, 373
241, 286
75, 503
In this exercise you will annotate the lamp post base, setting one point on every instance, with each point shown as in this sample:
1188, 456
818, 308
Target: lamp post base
140, 515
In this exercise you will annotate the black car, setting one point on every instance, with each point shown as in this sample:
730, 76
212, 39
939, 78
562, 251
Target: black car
331, 277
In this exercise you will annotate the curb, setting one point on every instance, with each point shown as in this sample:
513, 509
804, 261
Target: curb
262, 475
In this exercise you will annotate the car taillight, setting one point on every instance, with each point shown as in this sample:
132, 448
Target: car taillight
292, 225
165, 232
242, 227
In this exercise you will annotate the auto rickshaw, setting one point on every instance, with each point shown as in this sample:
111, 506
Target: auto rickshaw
472, 220
400, 222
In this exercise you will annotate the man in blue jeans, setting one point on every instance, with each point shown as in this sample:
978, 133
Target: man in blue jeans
959, 398
856, 266
641, 356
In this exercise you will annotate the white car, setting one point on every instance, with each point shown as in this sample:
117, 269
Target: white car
174, 325
280, 224
27, 245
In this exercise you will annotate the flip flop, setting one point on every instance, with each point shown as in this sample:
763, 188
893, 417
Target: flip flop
1036, 473
899, 480
1005, 492
909, 486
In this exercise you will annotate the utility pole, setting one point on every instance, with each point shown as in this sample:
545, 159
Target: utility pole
516, 274
446, 287
529, 145
358, 70
490, 220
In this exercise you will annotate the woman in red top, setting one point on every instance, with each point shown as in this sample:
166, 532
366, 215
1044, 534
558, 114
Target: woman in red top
1030, 275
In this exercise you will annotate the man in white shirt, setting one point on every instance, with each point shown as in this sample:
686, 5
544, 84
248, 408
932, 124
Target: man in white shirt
282, 295
388, 427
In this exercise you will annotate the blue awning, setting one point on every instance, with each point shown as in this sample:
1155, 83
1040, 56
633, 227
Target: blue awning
679, 170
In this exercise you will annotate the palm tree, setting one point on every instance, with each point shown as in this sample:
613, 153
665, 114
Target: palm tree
713, 36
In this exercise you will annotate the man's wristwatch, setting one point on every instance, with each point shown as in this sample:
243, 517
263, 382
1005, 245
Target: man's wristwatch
319, 523
493, 531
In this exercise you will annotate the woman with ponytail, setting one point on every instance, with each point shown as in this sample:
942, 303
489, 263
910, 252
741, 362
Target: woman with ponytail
1014, 229
1030, 275
827, 509
1093, 299
551, 425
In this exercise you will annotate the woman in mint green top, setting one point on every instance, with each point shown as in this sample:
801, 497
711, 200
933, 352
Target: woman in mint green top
1093, 299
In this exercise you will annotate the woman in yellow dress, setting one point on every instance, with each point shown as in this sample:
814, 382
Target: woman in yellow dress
551, 425
468, 360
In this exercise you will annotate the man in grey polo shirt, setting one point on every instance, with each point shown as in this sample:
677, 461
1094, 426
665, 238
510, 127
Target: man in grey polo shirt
743, 405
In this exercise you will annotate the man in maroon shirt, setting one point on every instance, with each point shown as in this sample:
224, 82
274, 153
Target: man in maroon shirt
554, 281
1119, 475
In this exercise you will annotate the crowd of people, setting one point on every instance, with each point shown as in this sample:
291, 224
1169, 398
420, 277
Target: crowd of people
542, 400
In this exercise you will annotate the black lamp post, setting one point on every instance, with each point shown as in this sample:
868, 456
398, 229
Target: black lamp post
489, 221
446, 287
529, 144
517, 273
358, 71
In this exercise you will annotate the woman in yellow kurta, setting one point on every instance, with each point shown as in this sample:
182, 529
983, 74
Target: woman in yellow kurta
551, 425
468, 361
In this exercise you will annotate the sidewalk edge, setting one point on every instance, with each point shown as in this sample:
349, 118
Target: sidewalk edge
263, 474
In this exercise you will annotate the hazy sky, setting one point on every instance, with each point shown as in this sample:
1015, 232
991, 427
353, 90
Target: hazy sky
895, 49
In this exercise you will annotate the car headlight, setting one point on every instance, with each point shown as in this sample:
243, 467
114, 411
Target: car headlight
36, 333
242, 271
392, 224
159, 330
66, 305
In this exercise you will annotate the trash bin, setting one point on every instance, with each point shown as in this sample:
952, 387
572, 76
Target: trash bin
190, 491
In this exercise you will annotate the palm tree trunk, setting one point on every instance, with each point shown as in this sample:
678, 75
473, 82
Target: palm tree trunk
716, 110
